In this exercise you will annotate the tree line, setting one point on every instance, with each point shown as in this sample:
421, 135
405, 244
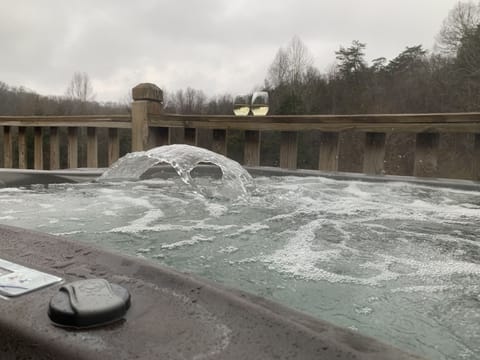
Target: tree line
79, 99
417, 81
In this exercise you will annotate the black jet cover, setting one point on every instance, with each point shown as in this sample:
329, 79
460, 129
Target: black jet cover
88, 303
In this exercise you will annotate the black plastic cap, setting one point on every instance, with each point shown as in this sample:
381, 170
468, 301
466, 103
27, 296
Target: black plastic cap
88, 303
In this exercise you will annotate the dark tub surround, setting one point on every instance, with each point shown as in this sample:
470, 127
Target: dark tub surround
172, 315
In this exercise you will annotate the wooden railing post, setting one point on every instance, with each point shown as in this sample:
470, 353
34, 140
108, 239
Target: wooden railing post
251, 156
176, 135
159, 136
328, 156
373, 160
92, 147
147, 99
288, 149
7, 147
22, 147
37, 148
476, 158
113, 146
190, 136
54, 149
72, 147
204, 138
219, 144
426, 150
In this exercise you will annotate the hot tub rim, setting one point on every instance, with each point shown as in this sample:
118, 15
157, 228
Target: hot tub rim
26, 177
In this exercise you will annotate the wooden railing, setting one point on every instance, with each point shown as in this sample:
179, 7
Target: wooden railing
52, 124
151, 127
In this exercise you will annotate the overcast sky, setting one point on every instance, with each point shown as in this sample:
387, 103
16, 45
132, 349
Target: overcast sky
214, 45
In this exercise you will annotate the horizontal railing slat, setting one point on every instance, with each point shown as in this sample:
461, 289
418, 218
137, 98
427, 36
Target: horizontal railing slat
115, 121
452, 122
461, 122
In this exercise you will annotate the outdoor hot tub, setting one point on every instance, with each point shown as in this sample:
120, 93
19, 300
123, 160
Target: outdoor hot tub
307, 265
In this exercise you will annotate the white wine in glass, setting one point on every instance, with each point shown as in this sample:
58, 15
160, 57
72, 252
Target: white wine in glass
241, 107
260, 103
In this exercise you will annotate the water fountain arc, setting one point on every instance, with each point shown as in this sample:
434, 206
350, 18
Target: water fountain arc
184, 158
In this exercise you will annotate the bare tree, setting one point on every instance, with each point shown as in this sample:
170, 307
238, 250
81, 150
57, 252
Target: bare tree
278, 70
461, 21
290, 64
468, 56
300, 59
80, 87
189, 101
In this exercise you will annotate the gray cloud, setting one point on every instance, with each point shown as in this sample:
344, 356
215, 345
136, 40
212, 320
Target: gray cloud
215, 45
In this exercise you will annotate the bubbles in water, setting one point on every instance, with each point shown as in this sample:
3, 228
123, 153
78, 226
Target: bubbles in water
396, 261
236, 181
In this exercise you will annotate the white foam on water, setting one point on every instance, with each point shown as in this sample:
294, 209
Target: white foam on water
190, 242
443, 268
144, 250
46, 206
435, 289
426, 268
469, 206
149, 217
363, 310
228, 250
119, 199
215, 210
14, 190
444, 210
282, 217
300, 258
457, 239
142, 223
252, 229
8, 217
202, 225
10, 211
67, 233
8, 199
353, 188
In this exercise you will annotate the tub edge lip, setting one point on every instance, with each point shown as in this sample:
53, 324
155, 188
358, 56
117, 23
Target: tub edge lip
30, 176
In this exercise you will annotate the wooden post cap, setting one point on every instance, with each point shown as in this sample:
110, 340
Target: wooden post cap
147, 91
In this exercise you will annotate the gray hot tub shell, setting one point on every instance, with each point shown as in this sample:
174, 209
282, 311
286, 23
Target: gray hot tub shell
173, 315
14, 177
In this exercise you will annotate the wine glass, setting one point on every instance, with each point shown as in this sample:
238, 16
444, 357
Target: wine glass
241, 105
260, 103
